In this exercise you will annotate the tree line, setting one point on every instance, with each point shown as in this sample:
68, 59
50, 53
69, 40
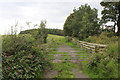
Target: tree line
48, 31
84, 21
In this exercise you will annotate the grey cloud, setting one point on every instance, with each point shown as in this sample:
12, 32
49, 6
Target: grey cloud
55, 12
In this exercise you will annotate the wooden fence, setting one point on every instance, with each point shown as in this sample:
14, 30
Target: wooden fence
93, 47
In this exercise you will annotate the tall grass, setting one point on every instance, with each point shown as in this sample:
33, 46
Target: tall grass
102, 39
59, 39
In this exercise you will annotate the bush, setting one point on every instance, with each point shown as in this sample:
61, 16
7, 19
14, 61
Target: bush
104, 65
68, 39
22, 58
22, 65
15, 43
39, 34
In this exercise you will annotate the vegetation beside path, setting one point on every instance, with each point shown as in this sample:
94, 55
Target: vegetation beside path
36, 59
64, 68
37, 54
90, 64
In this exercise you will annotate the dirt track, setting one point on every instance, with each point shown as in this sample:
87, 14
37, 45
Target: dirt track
74, 59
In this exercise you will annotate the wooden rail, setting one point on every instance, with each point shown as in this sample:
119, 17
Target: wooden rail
93, 47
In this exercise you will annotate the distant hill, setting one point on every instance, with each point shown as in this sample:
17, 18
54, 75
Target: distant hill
49, 31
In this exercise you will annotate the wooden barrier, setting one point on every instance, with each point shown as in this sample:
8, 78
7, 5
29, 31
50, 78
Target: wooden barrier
93, 47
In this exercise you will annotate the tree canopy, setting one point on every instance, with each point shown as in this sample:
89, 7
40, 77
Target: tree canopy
83, 22
110, 12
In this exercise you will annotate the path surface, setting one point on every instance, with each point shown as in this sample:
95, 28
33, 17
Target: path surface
74, 59
78, 74
69, 50
50, 74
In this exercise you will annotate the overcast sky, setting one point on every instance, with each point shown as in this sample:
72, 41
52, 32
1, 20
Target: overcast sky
55, 12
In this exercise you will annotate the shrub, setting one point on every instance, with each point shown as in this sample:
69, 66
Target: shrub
22, 65
102, 39
27, 59
68, 39
39, 34
15, 43
104, 65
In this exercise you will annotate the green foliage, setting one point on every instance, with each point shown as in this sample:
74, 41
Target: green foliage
82, 23
56, 39
55, 32
39, 34
103, 65
49, 31
99, 65
42, 33
112, 50
36, 32
29, 31
22, 58
64, 70
23, 64
103, 38
15, 43
68, 39
110, 12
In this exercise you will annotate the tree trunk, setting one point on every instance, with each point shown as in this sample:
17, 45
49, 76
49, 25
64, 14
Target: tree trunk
114, 26
118, 22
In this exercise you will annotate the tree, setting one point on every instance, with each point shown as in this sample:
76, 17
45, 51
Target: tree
42, 32
83, 22
110, 12
118, 22
67, 25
